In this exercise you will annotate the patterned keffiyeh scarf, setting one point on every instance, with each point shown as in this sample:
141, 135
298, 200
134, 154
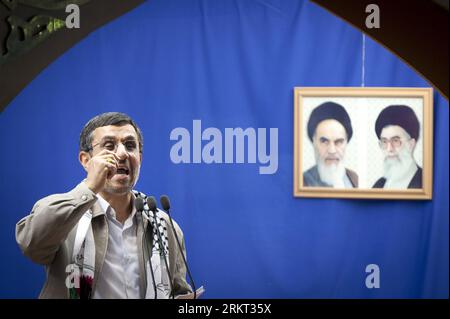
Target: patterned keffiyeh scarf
82, 269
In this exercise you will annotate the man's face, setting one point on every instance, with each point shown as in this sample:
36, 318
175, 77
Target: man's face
123, 141
330, 142
396, 144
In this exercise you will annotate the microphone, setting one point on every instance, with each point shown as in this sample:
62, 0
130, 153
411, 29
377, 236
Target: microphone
165, 203
151, 202
139, 204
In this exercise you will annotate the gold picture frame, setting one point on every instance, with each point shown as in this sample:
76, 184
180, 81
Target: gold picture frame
367, 152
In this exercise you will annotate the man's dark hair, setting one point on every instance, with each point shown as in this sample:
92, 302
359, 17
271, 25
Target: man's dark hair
105, 119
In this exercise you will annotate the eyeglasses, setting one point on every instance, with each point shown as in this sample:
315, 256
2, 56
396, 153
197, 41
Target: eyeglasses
395, 142
131, 146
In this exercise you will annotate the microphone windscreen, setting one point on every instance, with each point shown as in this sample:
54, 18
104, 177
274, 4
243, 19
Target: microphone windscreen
151, 202
165, 203
139, 204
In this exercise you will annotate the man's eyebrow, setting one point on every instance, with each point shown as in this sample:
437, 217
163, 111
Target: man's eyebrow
113, 138
339, 140
323, 139
108, 138
386, 138
129, 138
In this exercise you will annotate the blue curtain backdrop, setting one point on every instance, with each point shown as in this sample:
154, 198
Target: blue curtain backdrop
229, 64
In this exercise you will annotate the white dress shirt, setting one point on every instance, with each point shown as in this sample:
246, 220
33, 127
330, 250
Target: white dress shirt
119, 278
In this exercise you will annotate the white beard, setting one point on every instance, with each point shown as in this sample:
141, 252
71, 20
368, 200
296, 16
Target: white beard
332, 174
396, 168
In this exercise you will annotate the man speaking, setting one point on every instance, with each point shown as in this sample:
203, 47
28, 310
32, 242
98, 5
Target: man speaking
330, 130
97, 241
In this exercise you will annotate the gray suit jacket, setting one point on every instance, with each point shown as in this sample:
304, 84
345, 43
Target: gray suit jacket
47, 236
312, 178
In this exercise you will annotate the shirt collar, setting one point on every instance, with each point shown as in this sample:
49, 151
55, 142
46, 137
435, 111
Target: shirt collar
109, 211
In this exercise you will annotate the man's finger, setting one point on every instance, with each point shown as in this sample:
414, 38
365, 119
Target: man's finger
112, 169
111, 160
108, 152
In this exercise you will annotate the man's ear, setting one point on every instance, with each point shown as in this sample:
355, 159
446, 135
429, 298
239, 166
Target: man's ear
84, 158
412, 144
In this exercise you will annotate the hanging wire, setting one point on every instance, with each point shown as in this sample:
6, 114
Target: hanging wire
363, 58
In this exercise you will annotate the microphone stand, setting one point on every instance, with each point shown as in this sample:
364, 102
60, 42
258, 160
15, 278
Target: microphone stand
139, 204
152, 206
165, 203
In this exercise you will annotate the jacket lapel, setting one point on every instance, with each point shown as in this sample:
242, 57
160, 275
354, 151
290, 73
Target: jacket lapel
100, 231
143, 253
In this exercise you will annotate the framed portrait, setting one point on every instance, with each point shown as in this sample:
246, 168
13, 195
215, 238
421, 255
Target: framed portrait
360, 142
